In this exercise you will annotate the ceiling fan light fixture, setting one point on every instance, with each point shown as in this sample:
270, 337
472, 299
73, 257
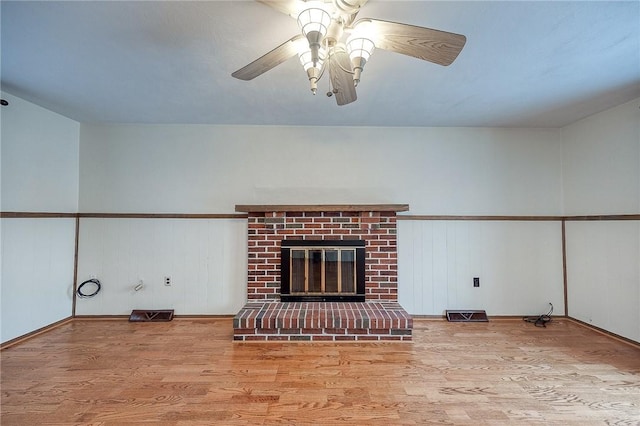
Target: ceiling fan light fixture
324, 23
306, 59
360, 47
312, 69
314, 19
360, 50
313, 22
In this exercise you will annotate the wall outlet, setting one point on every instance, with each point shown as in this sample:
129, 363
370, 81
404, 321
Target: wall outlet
167, 281
476, 281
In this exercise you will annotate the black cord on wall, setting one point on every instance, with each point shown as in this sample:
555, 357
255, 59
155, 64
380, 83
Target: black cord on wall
87, 295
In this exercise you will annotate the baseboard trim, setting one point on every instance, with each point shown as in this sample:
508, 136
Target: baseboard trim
522, 317
605, 332
491, 317
100, 317
203, 317
126, 317
34, 333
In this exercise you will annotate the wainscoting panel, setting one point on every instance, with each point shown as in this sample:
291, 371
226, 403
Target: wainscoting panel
603, 274
519, 264
37, 273
204, 259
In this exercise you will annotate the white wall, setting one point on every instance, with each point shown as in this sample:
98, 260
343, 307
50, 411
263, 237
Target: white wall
206, 260
210, 169
519, 264
603, 271
601, 160
37, 273
39, 159
601, 163
50, 163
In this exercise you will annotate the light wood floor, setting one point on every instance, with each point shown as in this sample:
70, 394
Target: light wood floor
190, 372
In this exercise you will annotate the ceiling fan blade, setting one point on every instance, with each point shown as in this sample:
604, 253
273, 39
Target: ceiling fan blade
431, 45
341, 80
270, 60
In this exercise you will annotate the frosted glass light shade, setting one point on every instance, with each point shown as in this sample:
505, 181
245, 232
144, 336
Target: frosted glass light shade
360, 47
314, 19
306, 59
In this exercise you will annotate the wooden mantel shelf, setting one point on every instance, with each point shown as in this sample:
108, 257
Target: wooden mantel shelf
260, 208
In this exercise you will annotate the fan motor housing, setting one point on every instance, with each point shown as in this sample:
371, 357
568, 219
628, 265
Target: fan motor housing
334, 33
348, 6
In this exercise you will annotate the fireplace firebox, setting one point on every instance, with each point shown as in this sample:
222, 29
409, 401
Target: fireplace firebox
322, 271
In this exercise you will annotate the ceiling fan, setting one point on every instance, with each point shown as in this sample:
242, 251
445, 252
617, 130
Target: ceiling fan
332, 39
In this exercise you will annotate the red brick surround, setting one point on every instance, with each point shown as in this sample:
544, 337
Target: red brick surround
378, 229
266, 317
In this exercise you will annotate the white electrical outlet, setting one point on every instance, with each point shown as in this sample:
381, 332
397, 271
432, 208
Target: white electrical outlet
167, 281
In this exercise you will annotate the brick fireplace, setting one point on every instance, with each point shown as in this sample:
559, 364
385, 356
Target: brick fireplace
321, 298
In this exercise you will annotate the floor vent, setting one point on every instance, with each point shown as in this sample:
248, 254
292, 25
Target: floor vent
467, 316
149, 316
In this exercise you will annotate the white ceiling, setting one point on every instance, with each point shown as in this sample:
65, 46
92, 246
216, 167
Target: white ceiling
525, 64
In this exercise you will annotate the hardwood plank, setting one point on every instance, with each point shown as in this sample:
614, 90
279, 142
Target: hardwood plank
191, 372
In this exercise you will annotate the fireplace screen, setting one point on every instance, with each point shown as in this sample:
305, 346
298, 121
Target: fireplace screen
322, 270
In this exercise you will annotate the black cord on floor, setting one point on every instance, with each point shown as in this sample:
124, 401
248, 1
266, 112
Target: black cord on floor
542, 320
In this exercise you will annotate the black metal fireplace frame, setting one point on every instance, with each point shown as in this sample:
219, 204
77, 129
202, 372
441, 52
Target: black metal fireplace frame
285, 275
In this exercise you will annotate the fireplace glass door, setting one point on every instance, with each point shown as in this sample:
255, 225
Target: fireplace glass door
322, 271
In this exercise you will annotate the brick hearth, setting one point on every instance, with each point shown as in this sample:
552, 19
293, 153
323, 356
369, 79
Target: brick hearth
265, 317
322, 321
